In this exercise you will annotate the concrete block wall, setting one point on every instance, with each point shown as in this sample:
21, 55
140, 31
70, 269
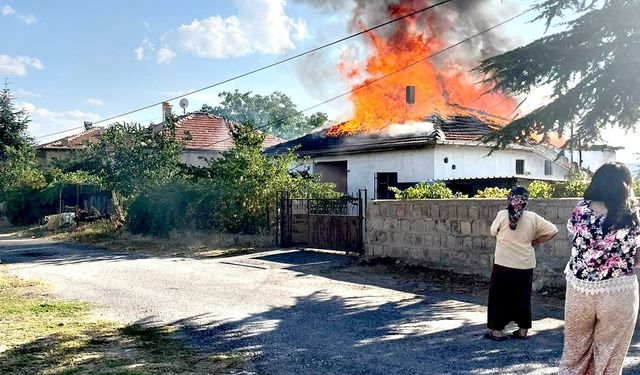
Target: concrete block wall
454, 235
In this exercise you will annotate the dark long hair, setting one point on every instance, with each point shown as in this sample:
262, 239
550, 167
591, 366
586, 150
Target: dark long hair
612, 184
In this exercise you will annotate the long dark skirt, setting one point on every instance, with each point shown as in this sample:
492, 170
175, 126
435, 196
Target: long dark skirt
509, 297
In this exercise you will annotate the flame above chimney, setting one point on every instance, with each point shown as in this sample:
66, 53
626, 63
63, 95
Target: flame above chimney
444, 88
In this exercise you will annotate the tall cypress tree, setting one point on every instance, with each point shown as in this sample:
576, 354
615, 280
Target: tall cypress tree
13, 124
593, 67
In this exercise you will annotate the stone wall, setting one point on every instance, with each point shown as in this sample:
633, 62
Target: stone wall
454, 235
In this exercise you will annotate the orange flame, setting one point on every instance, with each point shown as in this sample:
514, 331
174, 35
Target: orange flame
441, 91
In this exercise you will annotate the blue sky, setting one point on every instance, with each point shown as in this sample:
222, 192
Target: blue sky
69, 60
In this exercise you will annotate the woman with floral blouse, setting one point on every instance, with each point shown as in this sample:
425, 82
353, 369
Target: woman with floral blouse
601, 302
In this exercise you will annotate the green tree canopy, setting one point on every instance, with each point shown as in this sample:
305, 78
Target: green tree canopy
130, 158
275, 113
592, 66
13, 124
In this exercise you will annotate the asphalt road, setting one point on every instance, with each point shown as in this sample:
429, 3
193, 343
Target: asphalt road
295, 312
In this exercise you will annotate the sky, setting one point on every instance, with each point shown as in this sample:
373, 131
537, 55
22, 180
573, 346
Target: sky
70, 61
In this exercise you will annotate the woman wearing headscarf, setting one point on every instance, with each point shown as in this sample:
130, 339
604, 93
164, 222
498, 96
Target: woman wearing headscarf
601, 304
517, 231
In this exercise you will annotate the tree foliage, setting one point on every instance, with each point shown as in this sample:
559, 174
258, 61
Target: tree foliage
591, 66
247, 182
13, 125
275, 113
235, 193
130, 158
17, 157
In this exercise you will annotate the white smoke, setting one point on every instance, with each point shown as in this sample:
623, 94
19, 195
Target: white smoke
409, 128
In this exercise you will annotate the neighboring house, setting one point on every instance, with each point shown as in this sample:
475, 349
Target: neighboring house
65, 147
436, 150
591, 158
206, 136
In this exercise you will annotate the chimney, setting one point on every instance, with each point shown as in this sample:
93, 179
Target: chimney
411, 94
88, 125
166, 110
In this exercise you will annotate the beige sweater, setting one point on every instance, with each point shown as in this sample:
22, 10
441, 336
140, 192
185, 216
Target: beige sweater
513, 247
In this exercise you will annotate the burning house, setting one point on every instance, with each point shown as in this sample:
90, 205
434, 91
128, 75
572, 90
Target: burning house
421, 119
438, 149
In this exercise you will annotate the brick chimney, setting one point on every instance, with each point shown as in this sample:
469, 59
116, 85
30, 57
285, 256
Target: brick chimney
166, 110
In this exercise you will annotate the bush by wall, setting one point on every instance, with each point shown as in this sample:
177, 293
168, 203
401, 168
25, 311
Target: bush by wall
570, 189
573, 188
426, 190
176, 205
492, 192
540, 189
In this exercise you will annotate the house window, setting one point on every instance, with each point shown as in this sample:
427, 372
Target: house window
383, 182
548, 167
519, 166
334, 172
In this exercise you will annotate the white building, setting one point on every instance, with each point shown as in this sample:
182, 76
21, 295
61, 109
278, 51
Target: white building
446, 151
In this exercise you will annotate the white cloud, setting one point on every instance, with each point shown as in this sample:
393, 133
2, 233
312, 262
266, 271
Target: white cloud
139, 53
45, 121
18, 65
7, 10
145, 46
22, 93
94, 102
261, 26
29, 19
165, 55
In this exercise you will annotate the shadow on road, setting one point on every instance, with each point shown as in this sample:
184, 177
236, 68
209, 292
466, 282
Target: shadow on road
432, 332
326, 334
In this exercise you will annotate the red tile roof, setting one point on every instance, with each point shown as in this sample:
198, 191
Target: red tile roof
208, 132
76, 141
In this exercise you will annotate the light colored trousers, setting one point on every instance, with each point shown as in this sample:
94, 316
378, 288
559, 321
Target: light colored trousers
597, 331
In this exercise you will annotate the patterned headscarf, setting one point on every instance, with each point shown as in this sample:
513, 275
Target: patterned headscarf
518, 199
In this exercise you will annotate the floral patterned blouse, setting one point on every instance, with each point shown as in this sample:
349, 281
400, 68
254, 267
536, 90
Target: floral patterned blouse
596, 256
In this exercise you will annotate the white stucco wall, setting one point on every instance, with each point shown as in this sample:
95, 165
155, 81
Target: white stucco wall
592, 160
198, 158
427, 164
411, 166
474, 161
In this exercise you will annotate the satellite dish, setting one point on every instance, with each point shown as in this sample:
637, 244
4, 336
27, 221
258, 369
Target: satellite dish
183, 104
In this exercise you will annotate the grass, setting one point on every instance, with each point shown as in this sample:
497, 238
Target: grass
44, 336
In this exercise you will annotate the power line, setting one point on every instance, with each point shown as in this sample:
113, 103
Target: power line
386, 75
72, 129
269, 65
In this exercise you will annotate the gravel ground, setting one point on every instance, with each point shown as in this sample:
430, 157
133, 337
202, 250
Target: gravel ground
297, 312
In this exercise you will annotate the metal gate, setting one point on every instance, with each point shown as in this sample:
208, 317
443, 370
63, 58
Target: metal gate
334, 224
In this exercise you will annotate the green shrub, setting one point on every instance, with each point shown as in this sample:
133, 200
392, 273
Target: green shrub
426, 190
492, 192
540, 189
573, 188
177, 205
26, 205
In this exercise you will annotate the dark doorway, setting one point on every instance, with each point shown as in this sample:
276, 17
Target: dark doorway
334, 172
385, 180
